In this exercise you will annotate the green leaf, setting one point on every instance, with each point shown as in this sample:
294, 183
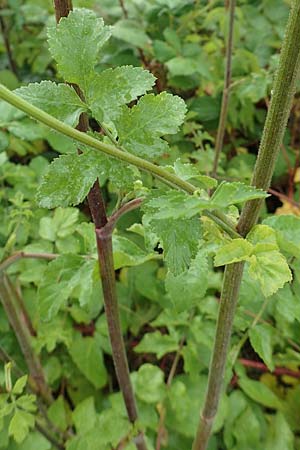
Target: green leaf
20, 385
75, 42
141, 127
20, 425
260, 393
186, 289
87, 355
180, 241
280, 435
234, 251
234, 193
127, 253
287, 230
132, 32
190, 172
62, 224
153, 378
84, 415
60, 279
175, 205
112, 88
69, 179
58, 100
267, 265
157, 343
57, 413
261, 340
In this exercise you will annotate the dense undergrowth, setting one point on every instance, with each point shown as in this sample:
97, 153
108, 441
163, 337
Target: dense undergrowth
167, 262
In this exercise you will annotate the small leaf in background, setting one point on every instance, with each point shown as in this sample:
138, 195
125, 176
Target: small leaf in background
157, 343
261, 340
287, 230
20, 385
61, 277
234, 251
84, 415
260, 393
107, 91
57, 413
190, 172
88, 31
58, 100
152, 377
132, 32
140, 128
69, 179
280, 435
87, 355
20, 425
234, 193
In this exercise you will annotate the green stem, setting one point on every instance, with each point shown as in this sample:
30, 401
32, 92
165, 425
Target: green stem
226, 89
283, 91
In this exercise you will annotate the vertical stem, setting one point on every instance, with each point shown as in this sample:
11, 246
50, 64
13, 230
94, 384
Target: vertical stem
106, 268
5, 34
11, 307
283, 91
226, 90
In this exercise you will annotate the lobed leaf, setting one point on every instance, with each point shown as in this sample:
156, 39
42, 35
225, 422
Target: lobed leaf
141, 127
75, 42
234, 251
58, 100
231, 193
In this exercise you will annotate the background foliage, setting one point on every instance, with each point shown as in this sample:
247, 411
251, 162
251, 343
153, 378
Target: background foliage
163, 320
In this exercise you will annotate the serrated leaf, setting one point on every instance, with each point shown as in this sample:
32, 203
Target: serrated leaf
75, 42
234, 251
141, 127
20, 425
112, 88
287, 230
180, 241
157, 343
61, 277
261, 341
69, 179
20, 385
58, 100
27, 403
260, 393
186, 289
234, 193
267, 264
175, 205
87, 355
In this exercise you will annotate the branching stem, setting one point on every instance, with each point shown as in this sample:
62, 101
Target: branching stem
283, 92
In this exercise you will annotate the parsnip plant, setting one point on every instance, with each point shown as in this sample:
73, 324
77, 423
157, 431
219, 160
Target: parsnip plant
180, 223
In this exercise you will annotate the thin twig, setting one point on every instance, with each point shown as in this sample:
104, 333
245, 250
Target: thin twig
5, 34
226, 89
263, 368
23, 255
123, 7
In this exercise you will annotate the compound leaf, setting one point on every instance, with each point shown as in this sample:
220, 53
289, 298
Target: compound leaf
112, 88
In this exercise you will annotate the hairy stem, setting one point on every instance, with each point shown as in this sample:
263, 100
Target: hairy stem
11, 307
283, 91
226, 89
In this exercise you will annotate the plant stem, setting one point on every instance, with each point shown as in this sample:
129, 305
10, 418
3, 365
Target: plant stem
283, 91
5, 35
11, 307
106, 268
226, 89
